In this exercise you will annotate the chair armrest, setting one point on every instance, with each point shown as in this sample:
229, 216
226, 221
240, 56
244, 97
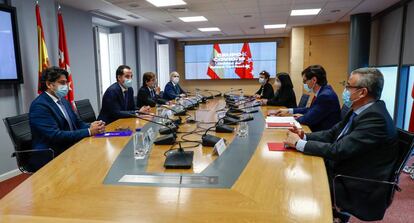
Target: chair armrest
34, 150
360, 179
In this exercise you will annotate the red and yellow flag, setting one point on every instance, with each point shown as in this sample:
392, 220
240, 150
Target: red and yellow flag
64, 56
42, 50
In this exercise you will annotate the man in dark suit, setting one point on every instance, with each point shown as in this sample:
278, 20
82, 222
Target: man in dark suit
324, 111
118, 100
149, 93
172, 89
363, 145
53, 123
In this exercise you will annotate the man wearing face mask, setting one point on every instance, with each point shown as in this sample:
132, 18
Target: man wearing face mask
363, 145
118, 100
53, 123
149, 93
324, 111
266, 90
172, 89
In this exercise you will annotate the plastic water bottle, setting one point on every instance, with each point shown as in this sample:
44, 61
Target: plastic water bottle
139, 147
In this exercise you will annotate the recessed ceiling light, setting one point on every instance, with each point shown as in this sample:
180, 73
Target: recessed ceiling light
164, 3
335, 11
209, 29
167, 21
275, 26
193, 19
247, 16
300, 12
133, 5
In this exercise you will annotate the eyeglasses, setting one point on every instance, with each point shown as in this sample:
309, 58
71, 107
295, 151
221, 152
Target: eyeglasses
349, 87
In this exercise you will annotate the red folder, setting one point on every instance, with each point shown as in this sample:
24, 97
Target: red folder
280, 124
278, 146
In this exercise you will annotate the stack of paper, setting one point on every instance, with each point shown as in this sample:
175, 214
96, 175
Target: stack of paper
281, 122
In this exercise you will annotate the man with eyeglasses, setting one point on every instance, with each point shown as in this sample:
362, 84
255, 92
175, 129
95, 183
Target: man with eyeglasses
172, 89
324, 111
53, 123
364, 145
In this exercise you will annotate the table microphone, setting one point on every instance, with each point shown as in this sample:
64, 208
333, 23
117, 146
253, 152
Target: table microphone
178, 113
210, 140
193, 105
240, 110
173, 123
162, 140
179, 159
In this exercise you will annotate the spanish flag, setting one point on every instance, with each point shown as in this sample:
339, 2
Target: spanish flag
43, 56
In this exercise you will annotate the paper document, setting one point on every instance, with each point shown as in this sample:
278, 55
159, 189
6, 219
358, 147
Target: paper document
281, 122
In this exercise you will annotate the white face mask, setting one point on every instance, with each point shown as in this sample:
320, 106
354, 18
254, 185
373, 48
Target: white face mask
262, 80
128, 83
277, 84
175, 80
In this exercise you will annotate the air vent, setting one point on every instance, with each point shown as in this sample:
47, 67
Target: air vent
178, 9
217, 35
106, 15
133, 16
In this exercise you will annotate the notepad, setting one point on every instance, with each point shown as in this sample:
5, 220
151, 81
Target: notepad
279, 146
281, 122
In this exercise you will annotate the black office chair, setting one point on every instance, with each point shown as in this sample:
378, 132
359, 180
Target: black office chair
303, 101
405, 148
18, 128
85, 111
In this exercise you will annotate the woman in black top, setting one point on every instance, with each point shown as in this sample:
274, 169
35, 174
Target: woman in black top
284, 95
266, 90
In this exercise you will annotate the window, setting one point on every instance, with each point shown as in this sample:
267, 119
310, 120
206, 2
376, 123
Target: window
390, 87
163, 64
409, 99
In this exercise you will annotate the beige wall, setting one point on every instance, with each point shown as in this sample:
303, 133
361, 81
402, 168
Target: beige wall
249, 86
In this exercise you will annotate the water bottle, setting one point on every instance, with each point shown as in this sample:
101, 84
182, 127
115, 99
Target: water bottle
241, 97
139, 147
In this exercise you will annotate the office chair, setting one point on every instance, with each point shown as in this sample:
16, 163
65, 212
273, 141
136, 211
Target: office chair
85, 111
303, 101
20, 133
405, 148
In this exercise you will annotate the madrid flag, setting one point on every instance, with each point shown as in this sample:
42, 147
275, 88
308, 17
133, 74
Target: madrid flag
42, 50
411, 127
64, 56
212, 71
245, 66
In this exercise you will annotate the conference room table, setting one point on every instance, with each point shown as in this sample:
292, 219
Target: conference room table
271, 186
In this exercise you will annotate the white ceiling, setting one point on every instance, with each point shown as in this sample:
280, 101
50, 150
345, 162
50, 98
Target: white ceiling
228, 15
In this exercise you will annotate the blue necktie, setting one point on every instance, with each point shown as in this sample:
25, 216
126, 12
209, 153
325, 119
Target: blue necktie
152, 93
348, 125
66, 114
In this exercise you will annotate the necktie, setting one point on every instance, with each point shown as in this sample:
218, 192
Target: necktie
347, 126
67, 117
176, 89
152, 93
126, 100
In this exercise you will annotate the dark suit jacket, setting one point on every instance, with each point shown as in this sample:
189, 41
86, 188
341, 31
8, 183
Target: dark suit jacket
324, 112
50, 128
144, 97
367, 150
171, 92
266, 91
284, 97
114, 106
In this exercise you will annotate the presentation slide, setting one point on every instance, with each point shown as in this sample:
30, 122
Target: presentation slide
229, 60
8, 69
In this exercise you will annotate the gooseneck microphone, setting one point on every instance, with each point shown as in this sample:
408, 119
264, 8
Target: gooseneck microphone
162, 140
172, 123
178, 113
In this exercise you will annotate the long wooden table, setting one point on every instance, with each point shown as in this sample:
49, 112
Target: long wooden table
273, 187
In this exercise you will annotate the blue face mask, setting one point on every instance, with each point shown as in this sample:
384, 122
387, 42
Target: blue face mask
128, 83
62, 91
346, 97
307, 88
